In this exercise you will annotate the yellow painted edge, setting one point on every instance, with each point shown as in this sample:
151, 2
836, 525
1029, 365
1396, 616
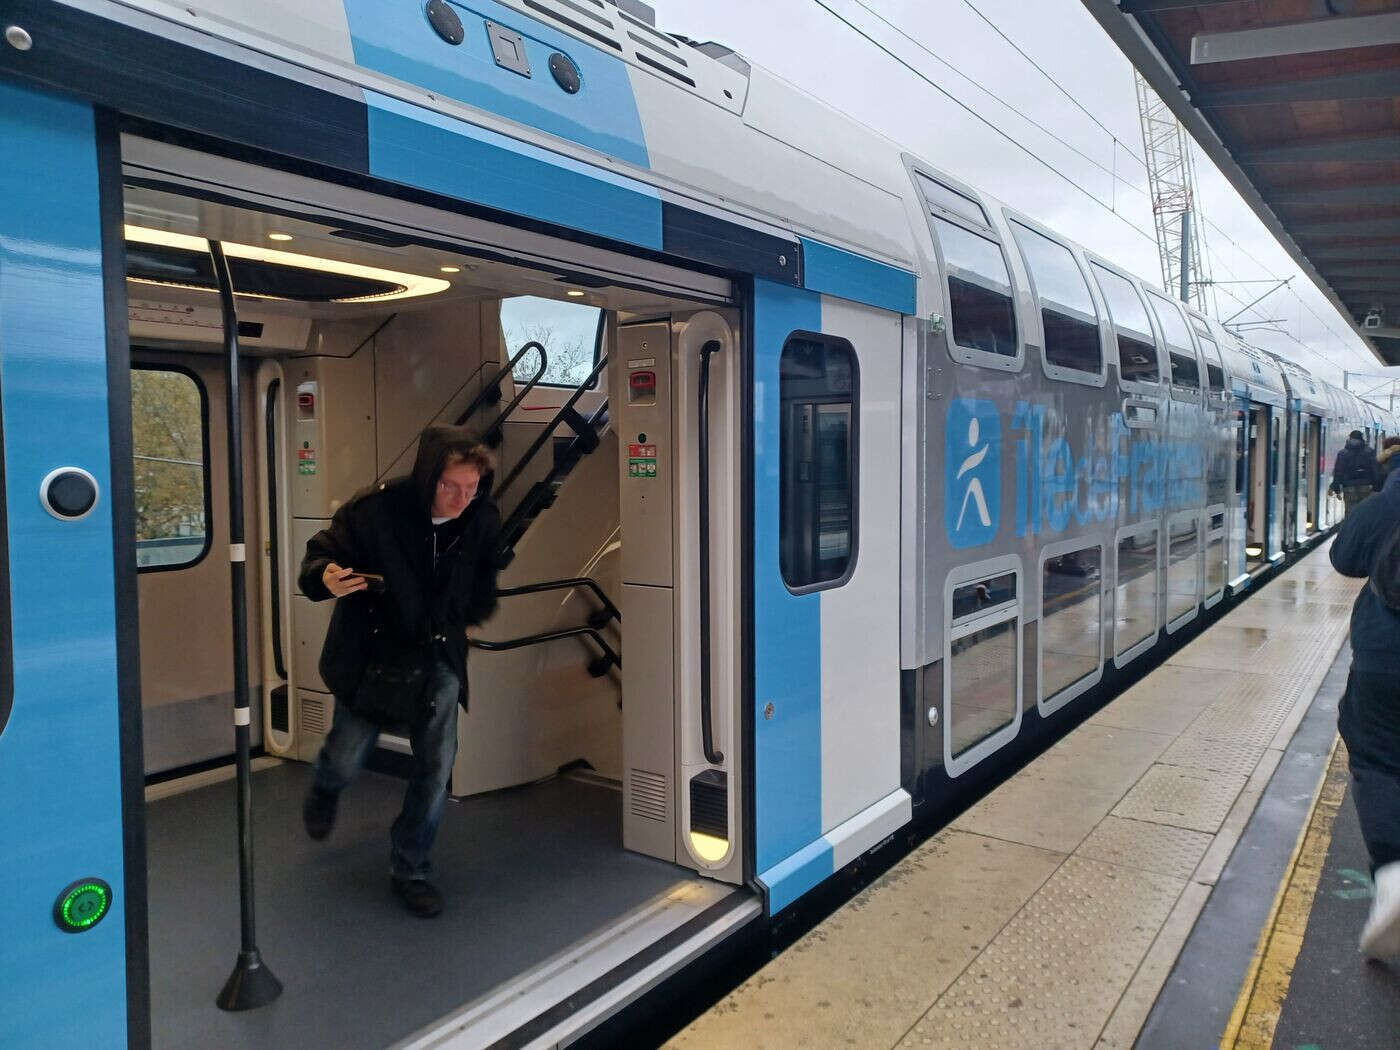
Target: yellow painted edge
1257, 1010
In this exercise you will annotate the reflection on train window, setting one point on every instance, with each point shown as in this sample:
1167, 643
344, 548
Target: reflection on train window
1067, 309
1183, 567
984, 661
1071, 611
979, 291
1135, 593
1185, 370
169, 436
940, 196
569, 332
1137, 353
818, 378
1215, 555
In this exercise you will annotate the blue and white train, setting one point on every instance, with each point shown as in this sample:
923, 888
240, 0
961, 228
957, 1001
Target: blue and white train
832, 487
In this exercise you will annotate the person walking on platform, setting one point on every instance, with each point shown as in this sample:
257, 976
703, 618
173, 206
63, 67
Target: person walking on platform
1355, 474
1368, 545
411, 565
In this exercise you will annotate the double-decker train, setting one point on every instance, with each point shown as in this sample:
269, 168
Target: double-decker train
830, 486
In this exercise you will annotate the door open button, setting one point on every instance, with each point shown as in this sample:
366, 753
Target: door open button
69, 493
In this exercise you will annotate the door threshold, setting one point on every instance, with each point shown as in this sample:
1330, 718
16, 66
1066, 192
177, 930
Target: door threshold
567, 996
205, 777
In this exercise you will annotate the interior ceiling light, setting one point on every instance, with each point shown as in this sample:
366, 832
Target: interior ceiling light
404, 285
574, 293
450, 269
279, 236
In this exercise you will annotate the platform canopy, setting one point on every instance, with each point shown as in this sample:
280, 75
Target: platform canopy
1298, 103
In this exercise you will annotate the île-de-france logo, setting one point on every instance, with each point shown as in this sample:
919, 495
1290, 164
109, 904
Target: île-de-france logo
972, 475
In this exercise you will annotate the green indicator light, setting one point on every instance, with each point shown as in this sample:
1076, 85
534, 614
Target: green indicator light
82, 905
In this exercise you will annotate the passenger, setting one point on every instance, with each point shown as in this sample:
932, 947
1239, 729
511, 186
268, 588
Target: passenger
1355, 474
1369, 715
1388, 459
395, 654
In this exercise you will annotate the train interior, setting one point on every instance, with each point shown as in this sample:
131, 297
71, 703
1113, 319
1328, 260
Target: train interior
562, 855
1255, 466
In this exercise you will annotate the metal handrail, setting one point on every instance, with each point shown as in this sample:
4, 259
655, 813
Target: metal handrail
558, 585
707, 737
609, 653
566, 411
484, 394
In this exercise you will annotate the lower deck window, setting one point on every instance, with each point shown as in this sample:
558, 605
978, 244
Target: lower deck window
1071, 612
1135, 593
1215, 555
169, 446
984, 661
1183, 568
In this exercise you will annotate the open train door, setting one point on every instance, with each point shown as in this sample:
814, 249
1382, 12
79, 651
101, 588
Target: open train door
72, 972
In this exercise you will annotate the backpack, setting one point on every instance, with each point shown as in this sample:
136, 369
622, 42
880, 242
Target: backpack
1385, 573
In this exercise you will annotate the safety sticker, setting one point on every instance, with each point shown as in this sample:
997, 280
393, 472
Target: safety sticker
306, 461
641, 461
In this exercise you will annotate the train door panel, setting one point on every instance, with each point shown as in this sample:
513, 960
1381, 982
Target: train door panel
826, 447
65, 975
1274, 550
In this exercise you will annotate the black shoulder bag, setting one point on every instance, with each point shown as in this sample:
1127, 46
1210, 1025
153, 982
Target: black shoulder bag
390, 693
1385, 573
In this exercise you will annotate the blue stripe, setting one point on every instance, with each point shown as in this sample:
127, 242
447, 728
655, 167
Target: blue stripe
60, 783
787, 627
849, 276
791, 878
417, 147
396, 40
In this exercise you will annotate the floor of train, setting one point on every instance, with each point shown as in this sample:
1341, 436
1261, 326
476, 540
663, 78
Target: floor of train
525, 873
1119, 891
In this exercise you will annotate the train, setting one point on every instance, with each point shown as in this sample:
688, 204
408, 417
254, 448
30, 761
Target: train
873, 483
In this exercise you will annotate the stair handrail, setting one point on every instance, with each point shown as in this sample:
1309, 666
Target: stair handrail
610, 658
484, 394
609, 610
564, 412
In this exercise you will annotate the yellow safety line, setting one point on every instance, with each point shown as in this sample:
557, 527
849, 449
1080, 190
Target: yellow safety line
1260, 1003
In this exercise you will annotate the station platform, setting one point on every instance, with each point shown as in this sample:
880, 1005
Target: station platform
1147, 881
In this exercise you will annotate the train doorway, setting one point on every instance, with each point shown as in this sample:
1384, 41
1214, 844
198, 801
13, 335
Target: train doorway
1257, 489
585, 826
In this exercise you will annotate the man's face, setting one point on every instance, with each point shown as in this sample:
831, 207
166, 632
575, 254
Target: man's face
456, 488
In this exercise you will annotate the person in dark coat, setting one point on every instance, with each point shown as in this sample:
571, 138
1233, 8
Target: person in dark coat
1388, 460
396, 652
1369, 715
1355, 474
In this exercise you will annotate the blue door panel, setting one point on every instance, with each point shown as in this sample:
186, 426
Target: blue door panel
60, 792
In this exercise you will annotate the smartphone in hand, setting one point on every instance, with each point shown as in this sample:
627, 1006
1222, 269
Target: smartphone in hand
374, 582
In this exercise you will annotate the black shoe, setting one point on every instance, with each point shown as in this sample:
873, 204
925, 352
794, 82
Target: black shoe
318, 814
419, 896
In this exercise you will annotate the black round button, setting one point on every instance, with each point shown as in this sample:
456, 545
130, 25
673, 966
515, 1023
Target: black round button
565, 72
70, 493
445, 22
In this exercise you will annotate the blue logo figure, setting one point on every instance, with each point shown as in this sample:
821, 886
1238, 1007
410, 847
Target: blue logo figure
972, 486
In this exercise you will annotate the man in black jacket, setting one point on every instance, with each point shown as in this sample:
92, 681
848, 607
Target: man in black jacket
427, 544
1356, 473
1369, 715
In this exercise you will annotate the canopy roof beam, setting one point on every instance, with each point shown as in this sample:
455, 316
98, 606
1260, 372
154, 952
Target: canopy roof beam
1337, 33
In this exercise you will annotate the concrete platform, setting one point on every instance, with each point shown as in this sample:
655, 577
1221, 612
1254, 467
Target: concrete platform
1052, 912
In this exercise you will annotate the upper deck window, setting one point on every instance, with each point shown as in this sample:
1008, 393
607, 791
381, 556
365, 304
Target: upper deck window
979, 291
940, 197
571, 334
1137, 352
1067, 311
1185, 370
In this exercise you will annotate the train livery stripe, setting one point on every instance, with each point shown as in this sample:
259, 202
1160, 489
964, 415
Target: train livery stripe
847, 275
59, 756
396, 40
417, 147
791, 854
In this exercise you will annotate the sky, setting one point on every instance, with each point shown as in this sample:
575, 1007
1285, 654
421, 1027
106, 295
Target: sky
1090, 185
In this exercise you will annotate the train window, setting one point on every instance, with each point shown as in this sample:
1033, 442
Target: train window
1137, 353
1215, 371
982, 665
1071, 612
1067, 311
1183, 568
1185, 370
571, 334
979, 292
818, 378
941, 197
170, 445
1135, 593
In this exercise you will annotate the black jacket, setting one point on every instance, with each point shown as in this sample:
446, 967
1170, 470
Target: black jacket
1375, 629
388, 530
1356, 465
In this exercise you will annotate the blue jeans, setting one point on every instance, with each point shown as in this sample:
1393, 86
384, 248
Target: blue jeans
434, 742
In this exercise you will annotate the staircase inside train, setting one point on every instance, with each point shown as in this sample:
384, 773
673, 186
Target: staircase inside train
589, 848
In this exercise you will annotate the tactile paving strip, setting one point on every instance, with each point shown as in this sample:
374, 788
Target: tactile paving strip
1223, 756
1053, 975
1162, 848
1185, 798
